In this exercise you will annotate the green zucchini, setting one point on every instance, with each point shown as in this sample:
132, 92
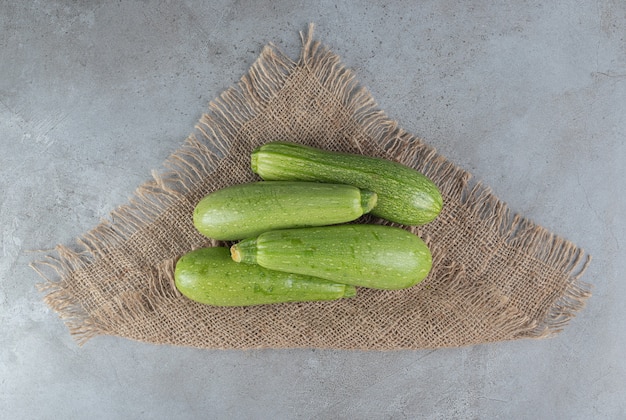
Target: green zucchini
405, 195
374, 256
246, 210
210, 276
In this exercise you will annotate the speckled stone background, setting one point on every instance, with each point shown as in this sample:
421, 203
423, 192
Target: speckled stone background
528, 96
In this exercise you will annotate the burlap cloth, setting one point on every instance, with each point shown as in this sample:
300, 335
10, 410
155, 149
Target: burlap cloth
496, 276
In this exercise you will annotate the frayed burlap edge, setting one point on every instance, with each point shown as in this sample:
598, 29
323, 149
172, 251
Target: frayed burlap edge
207, 148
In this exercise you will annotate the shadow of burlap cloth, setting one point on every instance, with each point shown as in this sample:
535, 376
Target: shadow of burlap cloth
496, 276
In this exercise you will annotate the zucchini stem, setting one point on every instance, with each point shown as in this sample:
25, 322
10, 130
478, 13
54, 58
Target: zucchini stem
368, 200
244, 251
254, 160
349, 291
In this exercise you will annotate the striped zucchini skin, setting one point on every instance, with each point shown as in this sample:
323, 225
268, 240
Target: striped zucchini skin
374, 256
246, 210
210, 276
404, 195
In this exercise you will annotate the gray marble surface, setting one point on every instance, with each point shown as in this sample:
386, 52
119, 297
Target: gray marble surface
529, 96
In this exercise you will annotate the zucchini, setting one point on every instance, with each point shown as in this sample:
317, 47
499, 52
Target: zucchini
374, 256
246, 210
210, 276
404, 195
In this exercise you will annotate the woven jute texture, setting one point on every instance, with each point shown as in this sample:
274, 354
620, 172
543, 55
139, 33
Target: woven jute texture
496, 275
